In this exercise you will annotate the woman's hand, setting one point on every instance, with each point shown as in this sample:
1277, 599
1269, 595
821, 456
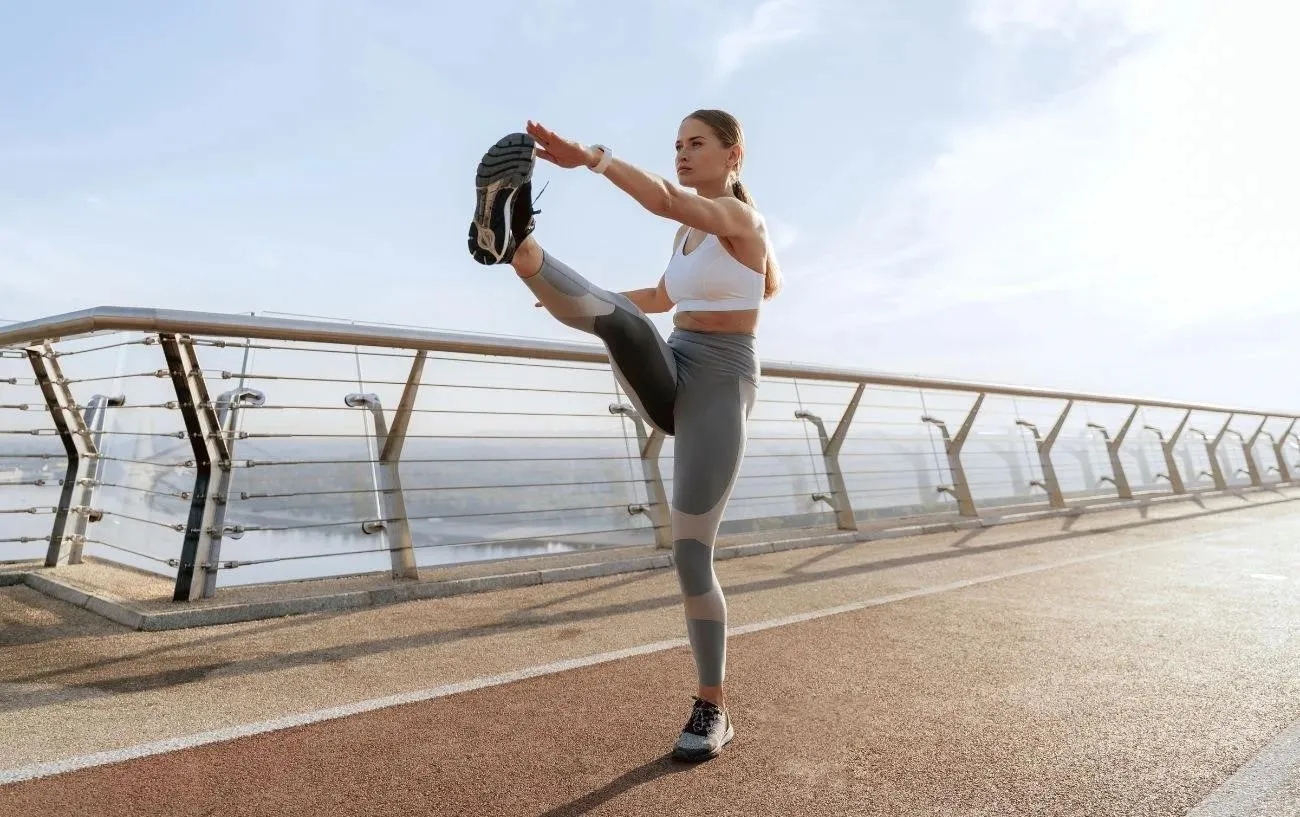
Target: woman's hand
560, 151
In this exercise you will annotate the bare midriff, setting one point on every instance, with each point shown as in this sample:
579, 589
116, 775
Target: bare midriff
743, 321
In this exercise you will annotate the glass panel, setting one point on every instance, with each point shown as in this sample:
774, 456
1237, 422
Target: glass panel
31, 465
145, 469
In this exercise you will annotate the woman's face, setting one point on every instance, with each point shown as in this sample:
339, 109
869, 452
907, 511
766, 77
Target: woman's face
702, 159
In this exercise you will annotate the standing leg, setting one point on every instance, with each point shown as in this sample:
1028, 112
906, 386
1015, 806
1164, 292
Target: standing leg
711, 412
643, 363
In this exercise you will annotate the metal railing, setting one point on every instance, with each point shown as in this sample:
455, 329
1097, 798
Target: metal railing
227, 449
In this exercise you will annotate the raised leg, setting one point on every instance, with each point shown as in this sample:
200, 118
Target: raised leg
642, 361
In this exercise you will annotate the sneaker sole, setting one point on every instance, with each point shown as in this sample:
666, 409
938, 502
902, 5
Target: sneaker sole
504, 169
730, 735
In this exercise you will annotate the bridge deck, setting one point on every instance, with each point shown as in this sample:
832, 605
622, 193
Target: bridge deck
1130, 662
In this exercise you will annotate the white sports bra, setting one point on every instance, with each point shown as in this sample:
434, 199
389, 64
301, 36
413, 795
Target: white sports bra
710, 279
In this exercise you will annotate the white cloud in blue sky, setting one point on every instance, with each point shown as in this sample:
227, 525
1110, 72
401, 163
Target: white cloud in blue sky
1088, 193
770, 23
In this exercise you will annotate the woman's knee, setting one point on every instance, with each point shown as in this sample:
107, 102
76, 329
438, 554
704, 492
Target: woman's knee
694, 562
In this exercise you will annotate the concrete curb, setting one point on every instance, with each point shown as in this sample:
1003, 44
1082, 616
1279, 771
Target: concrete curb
123, 613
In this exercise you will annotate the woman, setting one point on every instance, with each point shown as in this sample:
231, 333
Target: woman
700, 385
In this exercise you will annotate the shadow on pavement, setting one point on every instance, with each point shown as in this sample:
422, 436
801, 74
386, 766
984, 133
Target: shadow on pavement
659, 767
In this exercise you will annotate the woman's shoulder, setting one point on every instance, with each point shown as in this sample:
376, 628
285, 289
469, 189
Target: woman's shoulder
755, 215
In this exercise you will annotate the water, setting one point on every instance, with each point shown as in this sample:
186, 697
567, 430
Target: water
499, 515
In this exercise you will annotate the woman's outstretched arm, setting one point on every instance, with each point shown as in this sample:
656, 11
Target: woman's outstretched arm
724, 217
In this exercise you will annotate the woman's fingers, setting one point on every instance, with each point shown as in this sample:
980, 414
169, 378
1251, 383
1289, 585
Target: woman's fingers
548, 144
541, 134
537, 131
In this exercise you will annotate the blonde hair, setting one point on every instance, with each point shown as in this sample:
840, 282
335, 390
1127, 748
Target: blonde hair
727, 128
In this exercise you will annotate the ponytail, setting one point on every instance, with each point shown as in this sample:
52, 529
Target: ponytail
772, 273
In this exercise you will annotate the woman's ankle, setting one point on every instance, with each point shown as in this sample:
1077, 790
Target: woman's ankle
528, 258
713, 695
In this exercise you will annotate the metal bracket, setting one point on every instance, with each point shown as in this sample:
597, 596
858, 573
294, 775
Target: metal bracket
838, 498
94, 416
1118, 477
1049, 483
960, 489
1167, 448
389, 496
650, 444
227, 418
1211, 449
1279, 443
1248, 450
79, 446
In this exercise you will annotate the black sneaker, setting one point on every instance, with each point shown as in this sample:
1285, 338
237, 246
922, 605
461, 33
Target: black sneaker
503, 215
707, 731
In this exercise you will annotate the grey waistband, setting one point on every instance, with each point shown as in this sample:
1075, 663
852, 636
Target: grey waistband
734, 353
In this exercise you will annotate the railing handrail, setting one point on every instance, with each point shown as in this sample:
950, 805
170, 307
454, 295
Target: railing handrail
127, 319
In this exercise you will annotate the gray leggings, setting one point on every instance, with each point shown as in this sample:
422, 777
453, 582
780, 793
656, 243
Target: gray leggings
698, 387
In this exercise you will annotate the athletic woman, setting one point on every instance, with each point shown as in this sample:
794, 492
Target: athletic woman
699, 385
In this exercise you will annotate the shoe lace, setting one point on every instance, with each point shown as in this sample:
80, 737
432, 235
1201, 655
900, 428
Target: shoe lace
537, 198
703, 716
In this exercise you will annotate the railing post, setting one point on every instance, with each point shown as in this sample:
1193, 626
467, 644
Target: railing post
838, 499
392, 500
227, 420
1118, 477
1279, 452
952, 447
1248, 450
1051, 484
210, 447
649, 445
1211, 450
94, 422
81, 453
1167, 448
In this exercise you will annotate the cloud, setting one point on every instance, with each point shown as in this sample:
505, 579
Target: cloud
1011, 19
1160, 192
772, 22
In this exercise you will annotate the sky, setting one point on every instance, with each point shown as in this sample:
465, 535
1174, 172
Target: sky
1098, 195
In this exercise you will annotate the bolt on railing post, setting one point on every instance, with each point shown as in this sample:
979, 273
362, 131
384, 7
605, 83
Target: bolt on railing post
1167, 448
1118, 478
1279, 444
952, 447
1051, 484
392, 499
210, 448
838, 499
80, 449
1248, 449
649, 445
